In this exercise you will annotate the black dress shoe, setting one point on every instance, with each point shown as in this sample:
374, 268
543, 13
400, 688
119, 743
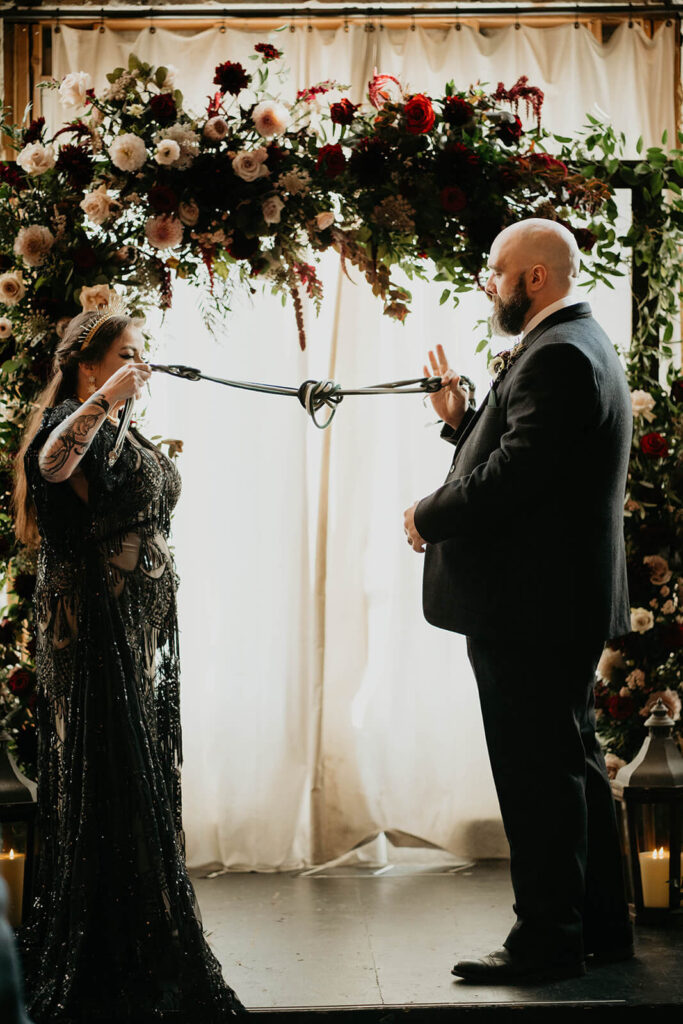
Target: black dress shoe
502, 966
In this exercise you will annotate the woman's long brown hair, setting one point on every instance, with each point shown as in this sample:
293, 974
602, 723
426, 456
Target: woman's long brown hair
62, 384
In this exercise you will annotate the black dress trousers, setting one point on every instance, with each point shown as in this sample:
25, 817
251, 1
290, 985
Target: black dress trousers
537, 705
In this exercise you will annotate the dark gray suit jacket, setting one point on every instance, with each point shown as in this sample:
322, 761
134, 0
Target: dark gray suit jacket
527, 531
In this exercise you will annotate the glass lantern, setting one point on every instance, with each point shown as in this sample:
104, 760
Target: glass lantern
17, 832
649, 794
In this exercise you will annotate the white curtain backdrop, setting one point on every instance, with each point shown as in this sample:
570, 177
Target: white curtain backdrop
319, 709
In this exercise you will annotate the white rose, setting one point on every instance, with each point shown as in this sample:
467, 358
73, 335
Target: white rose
94, 296
72, 91
33, 243
642, 404
324, 220
5, 327
609, 661
97, 205
167, 152
641, 620
249, 165
270, 118
12, 288
36, 158
215, 129
188, 213
128, 152
272, 208
171, 75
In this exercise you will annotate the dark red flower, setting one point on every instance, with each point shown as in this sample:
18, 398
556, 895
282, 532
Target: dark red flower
585, 239
34, 132
76, 165
12, 176
620, 707
163, 107
419, 114
84, 256
453, 199
454, 162
23, 585
343, 112
331, 160
242, 247
20, 682
530, 95
457, 111
276, 155
677, 391
231, 77
654, 445
369, 161
268, 51
510, 132
163, 199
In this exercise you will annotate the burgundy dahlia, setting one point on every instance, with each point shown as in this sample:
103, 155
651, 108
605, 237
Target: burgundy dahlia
585, 239
510, 132
76, 165
231, 77
12, 176
453, 199
34, 132
163, 107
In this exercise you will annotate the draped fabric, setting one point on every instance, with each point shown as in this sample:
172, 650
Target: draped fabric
318, 708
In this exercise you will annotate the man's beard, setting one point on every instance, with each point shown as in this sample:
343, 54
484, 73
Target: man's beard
509, 315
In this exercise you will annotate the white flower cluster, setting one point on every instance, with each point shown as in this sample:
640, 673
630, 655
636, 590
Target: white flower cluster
187, 140
119, 89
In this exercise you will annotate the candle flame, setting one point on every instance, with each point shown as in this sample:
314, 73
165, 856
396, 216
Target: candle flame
658, 854
11, 855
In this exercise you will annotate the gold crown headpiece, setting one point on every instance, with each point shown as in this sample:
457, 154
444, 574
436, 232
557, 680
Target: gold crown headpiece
115, 306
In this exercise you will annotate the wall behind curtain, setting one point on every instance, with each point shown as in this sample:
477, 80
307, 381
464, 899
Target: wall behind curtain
303, 642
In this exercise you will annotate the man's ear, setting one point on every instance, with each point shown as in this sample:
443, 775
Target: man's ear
538, 275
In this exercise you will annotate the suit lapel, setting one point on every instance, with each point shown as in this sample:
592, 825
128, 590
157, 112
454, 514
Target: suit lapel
580, 309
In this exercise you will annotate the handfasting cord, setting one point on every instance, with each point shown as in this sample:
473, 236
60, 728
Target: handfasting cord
313, 395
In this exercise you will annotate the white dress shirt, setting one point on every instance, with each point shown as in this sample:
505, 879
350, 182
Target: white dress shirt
567, 300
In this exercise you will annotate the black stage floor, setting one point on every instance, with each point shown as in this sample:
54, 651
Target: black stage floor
353, 944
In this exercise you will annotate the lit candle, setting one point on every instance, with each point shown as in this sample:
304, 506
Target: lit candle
12, 870
654, 872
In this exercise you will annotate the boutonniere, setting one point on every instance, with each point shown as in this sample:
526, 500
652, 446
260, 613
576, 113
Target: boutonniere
501, 363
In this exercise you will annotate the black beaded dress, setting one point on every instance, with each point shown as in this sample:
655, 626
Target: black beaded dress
114, 934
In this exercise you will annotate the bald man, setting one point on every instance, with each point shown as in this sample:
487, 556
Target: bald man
525, 556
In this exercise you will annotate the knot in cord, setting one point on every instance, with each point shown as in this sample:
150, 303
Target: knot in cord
314, 394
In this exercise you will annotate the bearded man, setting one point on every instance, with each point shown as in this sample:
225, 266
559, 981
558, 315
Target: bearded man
525, 556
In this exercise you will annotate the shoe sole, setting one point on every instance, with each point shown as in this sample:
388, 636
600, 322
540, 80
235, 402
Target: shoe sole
532, 975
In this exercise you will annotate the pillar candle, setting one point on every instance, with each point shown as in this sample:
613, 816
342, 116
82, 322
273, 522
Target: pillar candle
654, 872
12, 870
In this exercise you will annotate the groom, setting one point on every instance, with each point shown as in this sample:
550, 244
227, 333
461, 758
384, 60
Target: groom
525, 556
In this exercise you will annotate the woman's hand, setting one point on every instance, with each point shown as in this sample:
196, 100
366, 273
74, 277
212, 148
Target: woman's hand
450, 403
126, 383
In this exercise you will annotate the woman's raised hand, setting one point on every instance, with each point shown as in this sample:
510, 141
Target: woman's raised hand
450, 403
126, 383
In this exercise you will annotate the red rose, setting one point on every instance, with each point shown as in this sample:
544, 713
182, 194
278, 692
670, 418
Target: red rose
419, 114
163, 107
331, 160
620, 707
453, 199
20, 682
343, 112
457, 111
654, 445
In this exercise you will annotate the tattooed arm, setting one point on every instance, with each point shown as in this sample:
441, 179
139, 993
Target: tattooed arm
67, 444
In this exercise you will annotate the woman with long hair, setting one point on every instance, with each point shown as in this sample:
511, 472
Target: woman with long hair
114, 933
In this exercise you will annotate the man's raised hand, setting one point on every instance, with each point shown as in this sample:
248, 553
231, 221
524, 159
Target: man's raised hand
450, 403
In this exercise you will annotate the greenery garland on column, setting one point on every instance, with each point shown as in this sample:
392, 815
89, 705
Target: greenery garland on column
136, 191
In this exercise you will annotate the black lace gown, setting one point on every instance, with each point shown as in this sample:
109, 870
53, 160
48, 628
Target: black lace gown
114, 933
